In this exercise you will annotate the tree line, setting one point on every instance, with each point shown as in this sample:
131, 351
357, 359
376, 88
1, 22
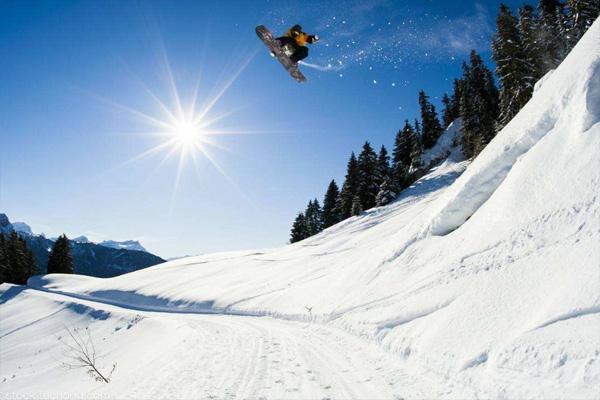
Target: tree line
17, 262
373, 178
524, 48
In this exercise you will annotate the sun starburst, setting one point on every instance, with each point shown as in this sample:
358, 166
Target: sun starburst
185, 129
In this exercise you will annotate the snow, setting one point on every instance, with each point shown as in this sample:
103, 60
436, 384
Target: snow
542, 81
482, 283
446, 143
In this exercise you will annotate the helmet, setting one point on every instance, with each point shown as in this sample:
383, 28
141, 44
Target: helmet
296, 27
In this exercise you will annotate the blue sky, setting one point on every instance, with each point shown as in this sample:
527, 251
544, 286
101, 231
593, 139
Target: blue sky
80, 79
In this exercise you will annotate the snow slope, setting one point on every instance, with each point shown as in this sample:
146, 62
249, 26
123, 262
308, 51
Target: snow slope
487, 286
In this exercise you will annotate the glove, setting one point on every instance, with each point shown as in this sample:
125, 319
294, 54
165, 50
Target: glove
315, 38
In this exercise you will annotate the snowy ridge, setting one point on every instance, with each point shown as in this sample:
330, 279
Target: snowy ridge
484, 284
575, 84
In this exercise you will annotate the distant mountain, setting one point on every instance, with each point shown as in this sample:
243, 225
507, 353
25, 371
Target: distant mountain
126, 245
80, 239
5, 225
103, 260
22, 227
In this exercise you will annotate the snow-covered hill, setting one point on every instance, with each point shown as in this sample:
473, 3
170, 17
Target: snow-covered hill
485, 284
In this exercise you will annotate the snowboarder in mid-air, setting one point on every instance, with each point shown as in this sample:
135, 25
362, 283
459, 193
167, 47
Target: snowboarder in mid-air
294, 43
289, 48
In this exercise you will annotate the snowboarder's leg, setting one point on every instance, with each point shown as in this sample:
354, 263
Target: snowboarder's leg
300, 54
283, 40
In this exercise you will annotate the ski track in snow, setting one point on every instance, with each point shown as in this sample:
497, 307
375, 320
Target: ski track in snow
221, 357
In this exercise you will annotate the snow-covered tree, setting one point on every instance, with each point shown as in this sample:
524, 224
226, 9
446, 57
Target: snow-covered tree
386, 193
583, 13
313, 218
478, 106
357, 207
383, 166
430, 124
405, 155
512, 66
553, 44
528, 32
415, 153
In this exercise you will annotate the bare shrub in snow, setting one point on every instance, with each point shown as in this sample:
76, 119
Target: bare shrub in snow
81, 352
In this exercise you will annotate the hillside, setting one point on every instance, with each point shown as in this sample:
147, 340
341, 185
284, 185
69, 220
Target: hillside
479, 285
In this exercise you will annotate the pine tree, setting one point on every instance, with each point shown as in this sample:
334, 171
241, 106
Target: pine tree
512, 66
583, 13
448, 117
455, 99
59, 260
386, 193
16, 253
367, 170
349, 188
17, 263
313, 217
479, 106
553, 46
404, 147
357, 207
3, 260
430, 123
30, 262
528, 32
299, 231
383, 166
418, 130
331, 214
415, 153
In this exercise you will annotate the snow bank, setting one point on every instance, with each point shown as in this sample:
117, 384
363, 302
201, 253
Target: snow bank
568, 102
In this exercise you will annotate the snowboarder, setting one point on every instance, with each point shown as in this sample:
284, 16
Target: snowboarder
288, 49
293, 43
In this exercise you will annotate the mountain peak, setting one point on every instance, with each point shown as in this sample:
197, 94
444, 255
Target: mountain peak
81, 239
22, 227
124, 245
5, 225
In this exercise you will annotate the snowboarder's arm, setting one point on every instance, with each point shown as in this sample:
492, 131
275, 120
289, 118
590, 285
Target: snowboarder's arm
312, 38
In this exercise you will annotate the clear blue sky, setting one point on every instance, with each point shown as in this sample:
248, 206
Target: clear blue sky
72, 71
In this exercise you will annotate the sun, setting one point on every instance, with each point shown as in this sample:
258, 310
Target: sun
186, 133
187, 129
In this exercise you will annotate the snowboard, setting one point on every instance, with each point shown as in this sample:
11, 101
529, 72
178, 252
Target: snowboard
265, 35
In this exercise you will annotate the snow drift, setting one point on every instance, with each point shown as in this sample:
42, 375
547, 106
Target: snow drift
491, 281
